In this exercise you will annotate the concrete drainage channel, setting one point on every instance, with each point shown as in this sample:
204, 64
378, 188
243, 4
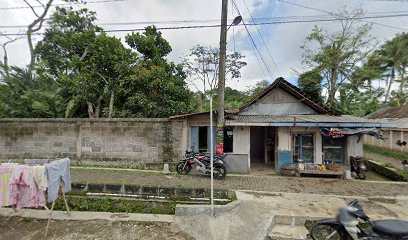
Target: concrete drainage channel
163, 200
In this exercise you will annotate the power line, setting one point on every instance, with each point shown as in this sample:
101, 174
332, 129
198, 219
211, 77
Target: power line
62, 4
252, 40
246, 24
334, 14
263, 40
256, 20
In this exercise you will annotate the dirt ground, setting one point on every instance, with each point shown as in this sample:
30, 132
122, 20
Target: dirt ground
17, 228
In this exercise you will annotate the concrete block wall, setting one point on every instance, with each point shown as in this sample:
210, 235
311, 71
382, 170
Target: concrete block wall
141, 140
391, 138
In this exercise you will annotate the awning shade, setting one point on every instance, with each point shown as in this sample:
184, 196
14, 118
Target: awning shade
341, 132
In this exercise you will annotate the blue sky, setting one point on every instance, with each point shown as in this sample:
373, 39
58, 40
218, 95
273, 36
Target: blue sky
283, 40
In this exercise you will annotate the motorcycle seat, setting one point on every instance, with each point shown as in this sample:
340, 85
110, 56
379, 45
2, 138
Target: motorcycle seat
391, 227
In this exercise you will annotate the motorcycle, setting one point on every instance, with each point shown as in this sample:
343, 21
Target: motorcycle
202, 163
358, 167
350, 222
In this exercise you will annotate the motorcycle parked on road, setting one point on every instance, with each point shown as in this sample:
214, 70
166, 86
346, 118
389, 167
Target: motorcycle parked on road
348, 225
358, 167
202, 164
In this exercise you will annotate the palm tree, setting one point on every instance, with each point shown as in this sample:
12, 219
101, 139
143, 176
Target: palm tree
392, 58
27, 96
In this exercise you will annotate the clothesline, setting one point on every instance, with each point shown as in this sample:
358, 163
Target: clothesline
25, 186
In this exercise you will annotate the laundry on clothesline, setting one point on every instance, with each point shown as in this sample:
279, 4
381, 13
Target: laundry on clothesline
5, 175
36, 161
26, 186
58, 175
24, 192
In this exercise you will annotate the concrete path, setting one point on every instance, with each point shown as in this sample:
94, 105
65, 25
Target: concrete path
257, 183
87, 216
247, 221
254, 217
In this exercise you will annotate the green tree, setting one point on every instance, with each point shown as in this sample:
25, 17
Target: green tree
310, 82
155, 87
201, 66
391, 60
90, 64
257, 89
337, 54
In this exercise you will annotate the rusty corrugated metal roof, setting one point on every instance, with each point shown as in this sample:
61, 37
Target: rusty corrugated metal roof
391, 112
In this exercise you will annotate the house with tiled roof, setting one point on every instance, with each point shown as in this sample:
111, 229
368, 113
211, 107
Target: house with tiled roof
279, 127
395, 138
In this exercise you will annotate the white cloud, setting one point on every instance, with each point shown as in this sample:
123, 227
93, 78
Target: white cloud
283, 40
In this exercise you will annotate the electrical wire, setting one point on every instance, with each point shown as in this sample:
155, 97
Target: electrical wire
62, 4
246, 24
263, 40
253, 42
338, 15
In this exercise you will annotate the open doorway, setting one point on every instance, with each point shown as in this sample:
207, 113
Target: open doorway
262, 150
257, 145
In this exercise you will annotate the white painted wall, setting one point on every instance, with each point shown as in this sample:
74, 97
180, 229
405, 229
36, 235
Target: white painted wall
354, 148
241, 141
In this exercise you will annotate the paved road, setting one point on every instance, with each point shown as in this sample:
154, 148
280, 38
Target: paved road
257, 183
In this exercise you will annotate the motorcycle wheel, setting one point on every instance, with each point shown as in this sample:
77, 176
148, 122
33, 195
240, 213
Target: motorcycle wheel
181, 169
361, 174
220, 171
320, 232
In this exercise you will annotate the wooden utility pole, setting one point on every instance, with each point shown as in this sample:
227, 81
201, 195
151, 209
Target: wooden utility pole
221, 77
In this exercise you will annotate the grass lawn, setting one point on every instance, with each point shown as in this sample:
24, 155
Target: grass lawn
386, 152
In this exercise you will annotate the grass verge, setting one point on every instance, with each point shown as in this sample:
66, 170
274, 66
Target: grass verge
386, 152
77, 203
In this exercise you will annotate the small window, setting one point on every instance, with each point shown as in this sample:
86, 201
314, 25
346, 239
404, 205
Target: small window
228, 139
303, 148
333, 150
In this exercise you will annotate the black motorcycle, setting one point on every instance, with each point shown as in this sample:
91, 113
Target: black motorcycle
358, 167
353, 223
202, 163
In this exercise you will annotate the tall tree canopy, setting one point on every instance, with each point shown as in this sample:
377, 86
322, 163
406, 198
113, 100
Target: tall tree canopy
337, 54
201, 66
95, 75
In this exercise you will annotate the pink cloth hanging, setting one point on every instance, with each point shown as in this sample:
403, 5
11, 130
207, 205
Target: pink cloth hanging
24, 192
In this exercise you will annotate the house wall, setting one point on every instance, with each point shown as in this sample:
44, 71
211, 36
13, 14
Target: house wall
285, 139
242, 142
390, 141
354, 148
277, 102
116, 140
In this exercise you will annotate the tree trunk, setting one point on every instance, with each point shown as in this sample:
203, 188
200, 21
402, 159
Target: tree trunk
31, 48
200, 102
91, 113
387, 94
402, 83
35, 26
98, 107
112, 99
331, 91
5, 61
